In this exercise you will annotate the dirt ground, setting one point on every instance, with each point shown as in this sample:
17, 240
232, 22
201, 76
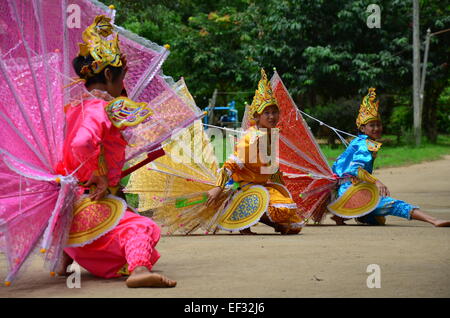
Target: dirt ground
323, 261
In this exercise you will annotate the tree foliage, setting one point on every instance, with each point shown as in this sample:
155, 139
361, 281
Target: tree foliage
323, 49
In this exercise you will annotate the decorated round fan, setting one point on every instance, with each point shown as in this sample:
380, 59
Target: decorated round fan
357, 201
92, 218
245, 209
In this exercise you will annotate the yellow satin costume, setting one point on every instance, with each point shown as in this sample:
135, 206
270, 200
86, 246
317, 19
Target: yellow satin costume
250, 188
246, 168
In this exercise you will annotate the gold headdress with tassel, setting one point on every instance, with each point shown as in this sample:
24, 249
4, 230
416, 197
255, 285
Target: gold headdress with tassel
368, 111
263, 97
95, 44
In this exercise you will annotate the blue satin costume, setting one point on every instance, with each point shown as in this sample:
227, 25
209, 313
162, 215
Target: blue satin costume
358, 155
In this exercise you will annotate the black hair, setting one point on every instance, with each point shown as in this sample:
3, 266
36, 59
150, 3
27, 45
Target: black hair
81, 61
358, 130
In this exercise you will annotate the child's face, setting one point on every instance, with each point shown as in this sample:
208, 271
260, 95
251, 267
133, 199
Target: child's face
373, 129
269, 117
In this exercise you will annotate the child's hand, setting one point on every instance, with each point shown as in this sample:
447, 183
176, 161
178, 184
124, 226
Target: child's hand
213, 194
101, 183
382, 189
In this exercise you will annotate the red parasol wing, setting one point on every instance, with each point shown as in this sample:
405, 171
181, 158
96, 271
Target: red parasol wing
306, 172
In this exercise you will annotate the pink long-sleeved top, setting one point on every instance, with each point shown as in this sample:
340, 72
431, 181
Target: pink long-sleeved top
89, 133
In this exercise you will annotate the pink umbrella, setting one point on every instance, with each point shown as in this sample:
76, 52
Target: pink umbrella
38, 40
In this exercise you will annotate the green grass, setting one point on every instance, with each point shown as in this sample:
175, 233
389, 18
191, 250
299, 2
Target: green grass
132, 199
391, 155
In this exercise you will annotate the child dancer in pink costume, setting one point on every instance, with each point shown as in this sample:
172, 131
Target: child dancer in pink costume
94, 145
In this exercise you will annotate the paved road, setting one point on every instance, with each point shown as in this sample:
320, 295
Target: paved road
324, 261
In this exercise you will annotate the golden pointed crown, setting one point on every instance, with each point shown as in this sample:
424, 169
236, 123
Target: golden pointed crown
95, 44
263, 96
368, 111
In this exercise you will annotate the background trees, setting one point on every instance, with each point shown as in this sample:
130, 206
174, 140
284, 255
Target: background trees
324, 51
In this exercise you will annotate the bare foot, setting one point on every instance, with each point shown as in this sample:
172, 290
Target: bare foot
144, 278
441, 223
286, 230
338, 220
62, 268
291, 231
418, 214
247, 231
279, 228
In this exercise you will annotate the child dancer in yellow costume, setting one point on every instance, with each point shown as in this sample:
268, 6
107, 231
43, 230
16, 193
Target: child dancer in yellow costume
249, 172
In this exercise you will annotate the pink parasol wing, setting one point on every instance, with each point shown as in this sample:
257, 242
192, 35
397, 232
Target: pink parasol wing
38, 40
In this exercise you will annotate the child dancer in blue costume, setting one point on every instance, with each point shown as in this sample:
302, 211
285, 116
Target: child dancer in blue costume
357, 161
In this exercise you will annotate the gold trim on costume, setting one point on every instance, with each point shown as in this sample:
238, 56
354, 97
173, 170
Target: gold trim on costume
372, 145
123, 112
223, 178
364, 175
124, 271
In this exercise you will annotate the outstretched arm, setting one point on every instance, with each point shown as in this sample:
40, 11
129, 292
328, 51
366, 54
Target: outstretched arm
99, 179
222, 180
234, 163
